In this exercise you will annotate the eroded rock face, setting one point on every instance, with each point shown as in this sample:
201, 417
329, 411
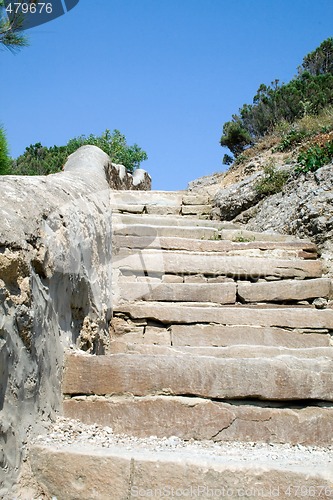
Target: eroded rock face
238, 197
304, 207
55, 279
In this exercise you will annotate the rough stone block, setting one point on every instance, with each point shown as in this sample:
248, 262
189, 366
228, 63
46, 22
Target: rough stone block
278, 378
182, 417
222, 293
208, 263
195, 199
284, 317
92, 473
196, 209
285, 290
219, 336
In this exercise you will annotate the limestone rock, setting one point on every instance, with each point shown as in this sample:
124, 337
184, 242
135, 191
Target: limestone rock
71, 472
280, 378
238, 197
286, 290
163, 416
182, 313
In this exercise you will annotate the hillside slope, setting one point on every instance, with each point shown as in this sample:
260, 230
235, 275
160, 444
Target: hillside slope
303, 206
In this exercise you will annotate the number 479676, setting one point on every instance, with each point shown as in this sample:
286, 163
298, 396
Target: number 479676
29, 8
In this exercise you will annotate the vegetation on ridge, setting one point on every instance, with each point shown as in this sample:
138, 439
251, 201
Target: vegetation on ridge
40, 160
278, 106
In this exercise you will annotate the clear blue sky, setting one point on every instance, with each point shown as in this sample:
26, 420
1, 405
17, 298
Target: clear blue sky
166, 73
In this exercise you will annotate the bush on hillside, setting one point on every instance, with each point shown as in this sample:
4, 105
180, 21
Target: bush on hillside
307, 94
40, 160
315, 157
272, 181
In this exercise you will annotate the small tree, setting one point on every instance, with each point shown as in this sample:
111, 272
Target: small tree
320, 61
235, 137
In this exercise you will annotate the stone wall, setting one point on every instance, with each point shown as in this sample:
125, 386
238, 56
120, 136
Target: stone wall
55, 288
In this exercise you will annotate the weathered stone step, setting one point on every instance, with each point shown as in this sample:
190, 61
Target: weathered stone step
235, 351
301, 248
225, 293
286, 290
278, 378
126, 471
197, 232
222, 293
246, 235
168, 220
202, 419
158, 198
285, 317
177, 262
220, 336
154, 232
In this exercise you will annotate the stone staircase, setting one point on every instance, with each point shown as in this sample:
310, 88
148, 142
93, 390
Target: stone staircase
219, 335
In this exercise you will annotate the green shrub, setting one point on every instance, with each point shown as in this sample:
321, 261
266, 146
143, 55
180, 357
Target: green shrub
273, 180
40, 160
314, 157
293, 137
5, 163
310, 92
227, 160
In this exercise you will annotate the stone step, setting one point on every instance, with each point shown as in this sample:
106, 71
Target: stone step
220, 336
164, 416
153, 232
157, 198
300, 248
153, 220
200, 335
234, 351
279, 378
286, 290
183, 313
186, 263
223, 293
127, 469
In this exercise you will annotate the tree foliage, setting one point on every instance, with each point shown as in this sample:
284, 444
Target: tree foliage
306, 94
4, 156
11, 36
40, 160
320, 61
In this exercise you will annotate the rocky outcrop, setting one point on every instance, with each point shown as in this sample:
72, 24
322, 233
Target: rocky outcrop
237, 198
55, 279
303, 208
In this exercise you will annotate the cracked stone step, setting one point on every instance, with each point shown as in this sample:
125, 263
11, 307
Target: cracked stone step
177, 262
168, 220
235, 351
222, 293
164, 416
279, 291
154, 232
127, 471
300, 248
220, 336
280, 378
179, 313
